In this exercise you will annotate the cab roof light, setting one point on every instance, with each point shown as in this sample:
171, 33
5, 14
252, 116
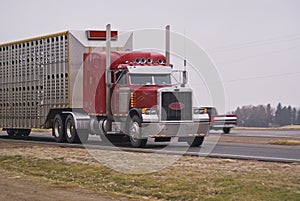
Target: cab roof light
149, 61
143, 61
160, 61
137, 61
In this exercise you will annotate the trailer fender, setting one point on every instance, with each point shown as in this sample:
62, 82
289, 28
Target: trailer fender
82, 121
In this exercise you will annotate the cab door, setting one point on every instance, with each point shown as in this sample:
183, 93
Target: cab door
121, 95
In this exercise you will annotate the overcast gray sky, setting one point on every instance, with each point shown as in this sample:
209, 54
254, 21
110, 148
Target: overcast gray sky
255, 44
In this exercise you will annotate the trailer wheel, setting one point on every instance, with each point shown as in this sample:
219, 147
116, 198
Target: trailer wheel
72, 134
24, 132
11, 132
134, 132
195, 142
58, 130
18, 132
226, 130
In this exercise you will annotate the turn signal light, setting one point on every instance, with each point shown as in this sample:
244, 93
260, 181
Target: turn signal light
132, 99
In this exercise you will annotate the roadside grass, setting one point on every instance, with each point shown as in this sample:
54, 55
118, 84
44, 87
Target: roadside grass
220, 181
285, 142
293, 127
290, 127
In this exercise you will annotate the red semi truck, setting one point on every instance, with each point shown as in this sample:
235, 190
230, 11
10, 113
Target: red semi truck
92, 82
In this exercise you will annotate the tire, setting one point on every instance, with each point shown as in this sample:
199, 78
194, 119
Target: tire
24, 132
195, 142
134, 132
18, 132
11, 132
58, 129
226, 130
72, 134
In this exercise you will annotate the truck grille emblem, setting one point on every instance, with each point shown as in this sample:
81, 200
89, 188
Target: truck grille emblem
176, 106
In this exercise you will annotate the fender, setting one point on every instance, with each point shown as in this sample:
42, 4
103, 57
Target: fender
136, 111
82, 121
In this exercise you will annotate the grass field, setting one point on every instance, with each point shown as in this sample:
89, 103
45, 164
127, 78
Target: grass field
190, 178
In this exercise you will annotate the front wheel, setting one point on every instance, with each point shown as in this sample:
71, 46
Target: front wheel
195, 142
134, 133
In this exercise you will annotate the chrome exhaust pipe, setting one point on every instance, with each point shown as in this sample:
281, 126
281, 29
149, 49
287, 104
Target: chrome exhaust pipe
108, 73
168, 44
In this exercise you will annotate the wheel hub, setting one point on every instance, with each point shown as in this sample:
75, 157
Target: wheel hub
57, 127
134, 131
70, 129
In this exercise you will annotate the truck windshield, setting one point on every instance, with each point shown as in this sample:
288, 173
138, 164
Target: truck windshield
150, 79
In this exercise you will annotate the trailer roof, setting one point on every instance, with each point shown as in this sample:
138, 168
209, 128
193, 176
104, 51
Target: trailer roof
81, 36
34, 38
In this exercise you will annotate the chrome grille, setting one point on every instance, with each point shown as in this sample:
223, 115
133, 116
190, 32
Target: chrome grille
176, 106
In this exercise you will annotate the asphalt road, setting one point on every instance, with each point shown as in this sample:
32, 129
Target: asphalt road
210, 148
278, 153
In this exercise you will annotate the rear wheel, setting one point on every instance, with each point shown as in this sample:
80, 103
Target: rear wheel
72, 134
195, 142
18, 132
24, 132
226, 130
11, 132
58, 130
134, 133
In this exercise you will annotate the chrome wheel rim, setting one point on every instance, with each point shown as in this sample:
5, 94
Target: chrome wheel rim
134, 131
57, 127
70, 128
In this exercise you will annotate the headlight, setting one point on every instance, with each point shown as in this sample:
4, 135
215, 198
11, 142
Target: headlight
150, 114
149, 111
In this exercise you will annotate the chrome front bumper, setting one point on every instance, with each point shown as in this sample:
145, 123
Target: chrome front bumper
176, 129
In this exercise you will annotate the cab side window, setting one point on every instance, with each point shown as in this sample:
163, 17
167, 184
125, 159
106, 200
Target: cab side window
122, 79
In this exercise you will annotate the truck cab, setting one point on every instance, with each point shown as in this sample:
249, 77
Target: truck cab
145, 101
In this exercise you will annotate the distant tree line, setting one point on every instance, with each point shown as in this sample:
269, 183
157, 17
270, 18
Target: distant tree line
265, 115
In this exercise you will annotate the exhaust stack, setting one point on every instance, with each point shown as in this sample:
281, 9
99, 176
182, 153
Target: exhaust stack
168, 44
184, 74
108, 76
